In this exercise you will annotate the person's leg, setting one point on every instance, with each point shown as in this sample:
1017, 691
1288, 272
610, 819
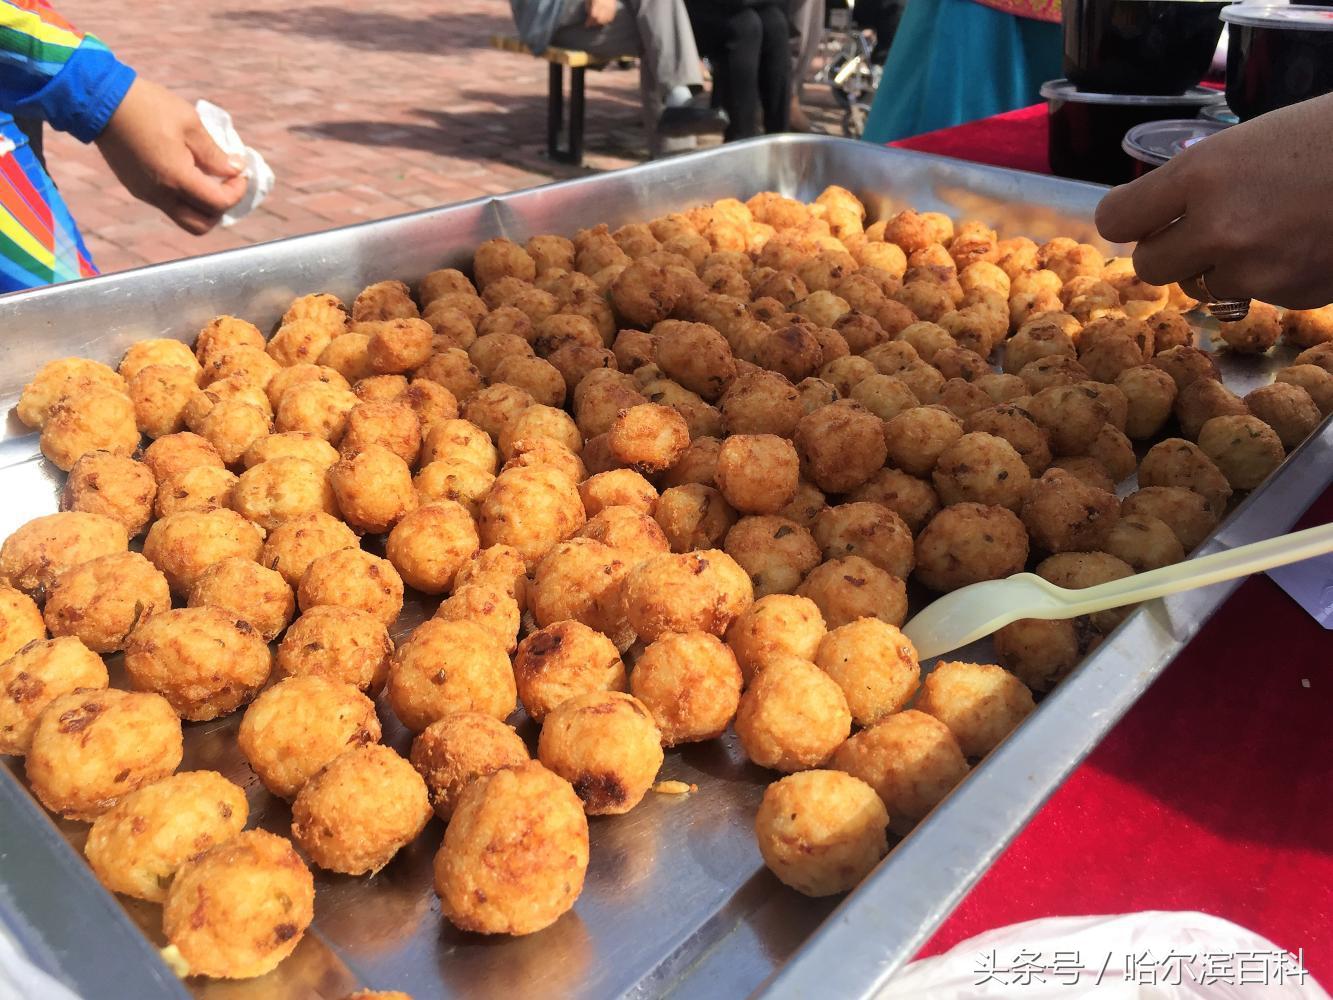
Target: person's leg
740, 56
807, 25
775, 87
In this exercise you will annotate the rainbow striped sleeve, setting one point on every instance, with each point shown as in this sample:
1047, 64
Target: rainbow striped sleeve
50, 69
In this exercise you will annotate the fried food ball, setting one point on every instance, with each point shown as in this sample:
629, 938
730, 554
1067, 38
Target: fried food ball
643, 293
539, 378
160, 395
816, 393
1184, 511
631, 533
1176, 462
500, 564
539, 422
486, 604
1002, 388
175, 453
501, 258
617, 488
428, 546
793, 351
491, 882
296, 542
1012, 424
561, 661
398, 345
449, 666
1256, 332
853, 587
582, 579
1203, 399
821, 832
297, 375
317, 408
320, 307
980, 703
885, 396
20, 621
1186, 364
101, 601
1079, 570
247, 364
757, 473
448, 281
550, 253
373, 489
649, 437
1144, 542
1064, 514
914, 500
1314, 380
696, 356
1245, 448
1088, 471
136, 846
910, 759
1039, 652
1320, 355
841, 445
63, 379
874, 664
202, 488
183, 545
96, 418
776, 626
283, 488
460, 482
113, 485
388, 425
915, 438
606, 745
698, 464
1151, 393
696, 591
982, 468
458, 749
299, 342
232, 426
248, 591
530, 508
35, 675
342, 645
776, 552
241, 907
691, 685
1307, 327
792, 716
453, 369
1286, 408
1072, 416
460, 441
968, 543
91, 747
867, 529
1039, 338
38, 551
352, 578
1114, 452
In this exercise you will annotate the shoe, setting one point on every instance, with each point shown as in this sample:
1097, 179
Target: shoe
691, 120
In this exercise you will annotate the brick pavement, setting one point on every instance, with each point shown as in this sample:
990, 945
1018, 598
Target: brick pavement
362, 112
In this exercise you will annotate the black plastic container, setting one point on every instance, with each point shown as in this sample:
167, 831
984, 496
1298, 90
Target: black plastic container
1139, 46
1153, 143
1219, 113
1086, 128
1277, 56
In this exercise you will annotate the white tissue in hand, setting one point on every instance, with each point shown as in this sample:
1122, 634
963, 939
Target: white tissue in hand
258, 174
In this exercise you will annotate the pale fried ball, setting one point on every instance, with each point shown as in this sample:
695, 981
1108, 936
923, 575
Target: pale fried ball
634, 535
690, 683
240, 908
776, 552
1176, 462
460, 441
40, 550
774, 627
428, 546
102, 601
1044, 373
20, 621
1064, 514
351, 578
90, 748
606, 745
1314, 380
35, 675
539, 421
841, 445
248, 591
249, 364
912, 499
1256, 332
1071, 415
57, 380
530, 508
852, 588
430, 401
298, 342
1079, 570
160, 395
391, 425
541, 379
232, 426
175, 453
696, 591
97, 418
280, 489
500, 258
454, 370
980, 703
342, 645
373, 489
1039, 652
296, 375
183, 545
649, 437
1144, 542
454, 751
617, 488
320, 307
1201, 401
982, 468
114, 485
1286, 408
885, 396
295, 543
563, 660
582, 579
1245, 448
915, 438
136, 846
1186, 364
816, 393
202, 488
1114, 452
458, 481
395, 346
490, 882
866, 529
1184, 511
487, 604
449, 666
316, 407
968, 543
874, 664
1307, 327
1014, 425
792, 716
757, 473
1151, 393
501, 564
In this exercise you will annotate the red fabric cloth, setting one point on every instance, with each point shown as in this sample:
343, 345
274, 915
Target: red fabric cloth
1215, 791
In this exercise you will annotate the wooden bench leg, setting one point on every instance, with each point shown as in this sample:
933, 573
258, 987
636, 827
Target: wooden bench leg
555, 114
555, 109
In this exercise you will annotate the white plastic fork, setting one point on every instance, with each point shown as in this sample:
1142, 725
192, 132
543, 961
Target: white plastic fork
974, 612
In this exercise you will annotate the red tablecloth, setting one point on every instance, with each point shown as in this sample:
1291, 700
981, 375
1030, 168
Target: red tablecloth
1215, 792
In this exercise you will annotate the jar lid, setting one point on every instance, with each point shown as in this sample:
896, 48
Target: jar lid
1157, 142
1063, 90
1294, 16
1220, 113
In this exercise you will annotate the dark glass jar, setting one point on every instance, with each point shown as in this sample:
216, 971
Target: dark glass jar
1277, 56
1139, 46
1154, 143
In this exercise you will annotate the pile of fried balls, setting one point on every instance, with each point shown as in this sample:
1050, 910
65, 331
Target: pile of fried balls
661, 480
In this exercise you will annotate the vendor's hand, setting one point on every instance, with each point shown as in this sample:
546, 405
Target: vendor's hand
600, 13
1251, 208
161, 152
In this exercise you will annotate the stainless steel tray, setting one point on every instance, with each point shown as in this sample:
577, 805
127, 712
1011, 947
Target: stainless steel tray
677, 901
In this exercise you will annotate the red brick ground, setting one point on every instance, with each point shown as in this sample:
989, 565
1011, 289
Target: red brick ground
363, 111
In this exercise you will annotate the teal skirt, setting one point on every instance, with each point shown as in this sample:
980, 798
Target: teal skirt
955, 61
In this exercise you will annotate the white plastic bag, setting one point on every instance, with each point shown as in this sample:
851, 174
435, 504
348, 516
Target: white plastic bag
1154, 955
257, 172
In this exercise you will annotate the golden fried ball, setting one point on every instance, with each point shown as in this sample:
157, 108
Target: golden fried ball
539, 421
35, 675
281, 489
241, 907
453, 369
539, 378
317, 408
563, 660
373, 489
91, 747
1245, 448
982, 468
175, 453
696, 591
428, 546
793, 351
761, 402
1014, 425
852, 588
454, 751
821, 832
491, 882
297, 541
1039, 652
606, 745
915, 438
634, 535
183, 545
1314, 380
1307, 327
600, 396
384, 300
980, 703
696, 356
352, 578
693, 516
40, 550
874, 664
501, 564
449, 666
617, 488
1039, 338
232, 426
249, 364
487, 604
1151, 393
1071, 415
499, 258
757, 473
319, 307
698, 464
342, 645
447, 281
1144, 542
1200, 401
1186, 364
1079, 570
20, 621
1256, 332
296, 375
884, 395
61, 379
910, 759
1286, 408
530, 508
114, 485
649, 437
582, 579
160, 395
690, 683
298, 342
360, 810
391, 425
396, 346
774, 627
1320, 355
460, 441
136, 846
202, 488
100, 602
1186, 513
792, 716
1064, 514
774, 551
841, 445
248, 591
866, 529
968, 543
1176, 462
97, 418
458, 481
1044, 373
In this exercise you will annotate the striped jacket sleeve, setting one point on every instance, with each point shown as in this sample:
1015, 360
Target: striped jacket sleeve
50, 69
